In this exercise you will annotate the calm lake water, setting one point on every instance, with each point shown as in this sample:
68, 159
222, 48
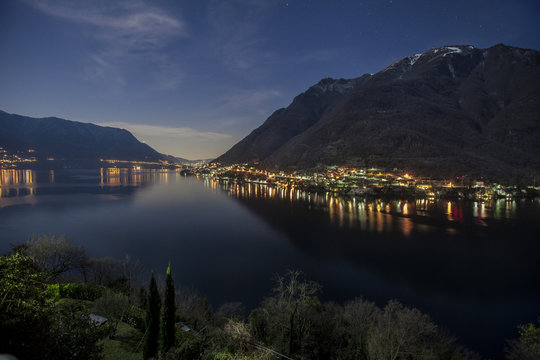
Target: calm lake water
473, 266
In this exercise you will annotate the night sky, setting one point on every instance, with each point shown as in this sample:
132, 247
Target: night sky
191, 78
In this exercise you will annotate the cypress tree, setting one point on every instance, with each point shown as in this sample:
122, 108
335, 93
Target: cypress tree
143, 298
152, 321
169, 310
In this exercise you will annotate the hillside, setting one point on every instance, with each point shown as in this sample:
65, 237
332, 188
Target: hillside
70, 140
449, 111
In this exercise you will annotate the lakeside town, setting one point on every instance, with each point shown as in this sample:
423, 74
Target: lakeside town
20, 158
367, 182
339, 180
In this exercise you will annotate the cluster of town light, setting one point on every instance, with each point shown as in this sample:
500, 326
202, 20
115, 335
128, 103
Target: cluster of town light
12, 160
353, 181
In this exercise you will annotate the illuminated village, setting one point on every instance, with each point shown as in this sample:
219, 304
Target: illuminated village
339, 180
366, 182
13, 160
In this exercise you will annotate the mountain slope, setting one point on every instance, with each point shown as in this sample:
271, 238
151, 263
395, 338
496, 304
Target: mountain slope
449, 111
306, 110
71, 140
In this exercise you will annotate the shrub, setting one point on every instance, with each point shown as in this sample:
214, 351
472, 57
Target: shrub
77, 291
191, 348
111, 305
135, 317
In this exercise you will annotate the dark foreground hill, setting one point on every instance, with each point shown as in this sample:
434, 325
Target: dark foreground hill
449, 111
70, 140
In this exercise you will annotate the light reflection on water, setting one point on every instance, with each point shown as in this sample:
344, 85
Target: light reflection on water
366, 214
16, 177
21, 183
377, 214
17, 183
19, 187
132, 177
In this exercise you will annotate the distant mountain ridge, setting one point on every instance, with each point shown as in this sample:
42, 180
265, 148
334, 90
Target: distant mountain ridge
449, 111
71, 140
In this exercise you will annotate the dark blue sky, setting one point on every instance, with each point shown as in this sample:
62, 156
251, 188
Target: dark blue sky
193, 77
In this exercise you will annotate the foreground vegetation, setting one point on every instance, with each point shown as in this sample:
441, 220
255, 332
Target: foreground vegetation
45, 314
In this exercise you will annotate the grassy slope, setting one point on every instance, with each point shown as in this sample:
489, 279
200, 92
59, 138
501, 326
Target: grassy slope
124, 344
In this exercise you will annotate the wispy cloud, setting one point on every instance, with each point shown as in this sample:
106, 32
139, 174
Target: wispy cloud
134, 21
236, 26
127, 33
169, 132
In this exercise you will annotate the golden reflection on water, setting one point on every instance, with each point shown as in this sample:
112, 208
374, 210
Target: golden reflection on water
15, 183
370, 215
16, 177
133, 177
373, 215
406, 226
377, 215
22, 183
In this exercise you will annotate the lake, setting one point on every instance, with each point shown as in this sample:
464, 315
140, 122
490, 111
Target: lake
472, 266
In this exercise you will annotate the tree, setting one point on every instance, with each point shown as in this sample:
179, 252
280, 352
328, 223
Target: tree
357, 318
290, 314
232, 310
401, 332
75, 335
152, 321
33, 325
131, 271
169, 310
24, 308
142, 297
527, 347
56, 254
202, 313
111, 305
102, 271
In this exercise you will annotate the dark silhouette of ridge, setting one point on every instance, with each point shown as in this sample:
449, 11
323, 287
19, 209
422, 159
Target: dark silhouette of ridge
70, 140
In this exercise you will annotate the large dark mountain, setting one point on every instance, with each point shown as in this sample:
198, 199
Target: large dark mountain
450, 111
71, 140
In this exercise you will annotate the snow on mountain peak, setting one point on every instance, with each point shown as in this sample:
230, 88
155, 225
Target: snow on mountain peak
456, 49
414, 58
452, 50
407, 63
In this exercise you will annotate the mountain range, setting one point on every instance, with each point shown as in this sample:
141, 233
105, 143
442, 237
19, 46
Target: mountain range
72, 141
453, 110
